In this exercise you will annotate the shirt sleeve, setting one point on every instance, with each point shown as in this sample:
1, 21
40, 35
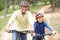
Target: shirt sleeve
31, 21
12, 18
49, 27
34, 26
30, 18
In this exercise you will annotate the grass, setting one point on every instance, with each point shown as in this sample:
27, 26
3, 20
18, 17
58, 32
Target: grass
3, 22
3, 12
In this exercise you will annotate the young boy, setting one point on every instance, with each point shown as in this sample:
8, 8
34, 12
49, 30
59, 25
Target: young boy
40, 24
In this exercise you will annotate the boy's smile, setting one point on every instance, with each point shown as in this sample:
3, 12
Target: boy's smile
40, 20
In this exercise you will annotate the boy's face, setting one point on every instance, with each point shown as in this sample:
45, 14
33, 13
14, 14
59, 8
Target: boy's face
40, 20
24, 9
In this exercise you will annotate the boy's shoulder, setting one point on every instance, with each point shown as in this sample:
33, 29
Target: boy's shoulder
35, 22
41, 23
45, 23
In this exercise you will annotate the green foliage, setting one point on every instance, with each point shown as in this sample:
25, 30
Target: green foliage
1, 5
10, 11
3, 22
57, 3
45, 1
36, 7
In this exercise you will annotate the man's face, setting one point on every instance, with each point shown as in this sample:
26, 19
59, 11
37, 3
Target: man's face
40, 20
24, 9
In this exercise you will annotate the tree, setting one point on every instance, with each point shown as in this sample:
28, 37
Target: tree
45, 1
6, 7
52, 3
19, 3
57, 3
1, 5
13, 2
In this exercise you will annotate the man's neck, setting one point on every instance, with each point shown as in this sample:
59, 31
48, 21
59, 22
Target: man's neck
23, 14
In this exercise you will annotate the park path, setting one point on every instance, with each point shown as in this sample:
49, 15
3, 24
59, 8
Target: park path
4, 16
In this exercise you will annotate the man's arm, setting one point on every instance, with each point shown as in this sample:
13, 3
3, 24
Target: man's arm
11, 20
31, 22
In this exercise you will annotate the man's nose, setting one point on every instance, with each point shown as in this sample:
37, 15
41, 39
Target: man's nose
24, 8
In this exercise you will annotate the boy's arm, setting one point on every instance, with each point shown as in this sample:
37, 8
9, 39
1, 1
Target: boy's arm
49, 27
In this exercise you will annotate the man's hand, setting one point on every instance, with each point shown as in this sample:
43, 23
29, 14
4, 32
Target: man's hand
7, 29
32, 32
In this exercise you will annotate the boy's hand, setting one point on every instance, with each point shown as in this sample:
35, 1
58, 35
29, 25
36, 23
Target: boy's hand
54, 32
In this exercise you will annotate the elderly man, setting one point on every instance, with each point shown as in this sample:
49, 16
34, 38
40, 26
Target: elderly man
20, 20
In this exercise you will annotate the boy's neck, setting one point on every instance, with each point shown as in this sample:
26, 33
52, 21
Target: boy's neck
41, 22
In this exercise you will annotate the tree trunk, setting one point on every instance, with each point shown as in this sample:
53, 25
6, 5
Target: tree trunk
13, 2
19, 3
6, 7
52, 3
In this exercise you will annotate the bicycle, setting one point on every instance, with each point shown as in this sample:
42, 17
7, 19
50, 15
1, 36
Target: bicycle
41, 36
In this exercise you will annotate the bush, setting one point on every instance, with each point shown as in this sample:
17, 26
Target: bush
57, 3
1, 5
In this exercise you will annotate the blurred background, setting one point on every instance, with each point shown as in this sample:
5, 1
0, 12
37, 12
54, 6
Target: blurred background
51, 9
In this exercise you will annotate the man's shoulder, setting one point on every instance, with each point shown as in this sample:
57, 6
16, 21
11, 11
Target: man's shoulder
16, 12
29, 12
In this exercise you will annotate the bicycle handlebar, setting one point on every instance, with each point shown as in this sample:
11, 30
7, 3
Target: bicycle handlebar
25, 31
49, 34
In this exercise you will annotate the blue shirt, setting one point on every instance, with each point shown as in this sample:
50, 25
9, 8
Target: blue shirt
40, 27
